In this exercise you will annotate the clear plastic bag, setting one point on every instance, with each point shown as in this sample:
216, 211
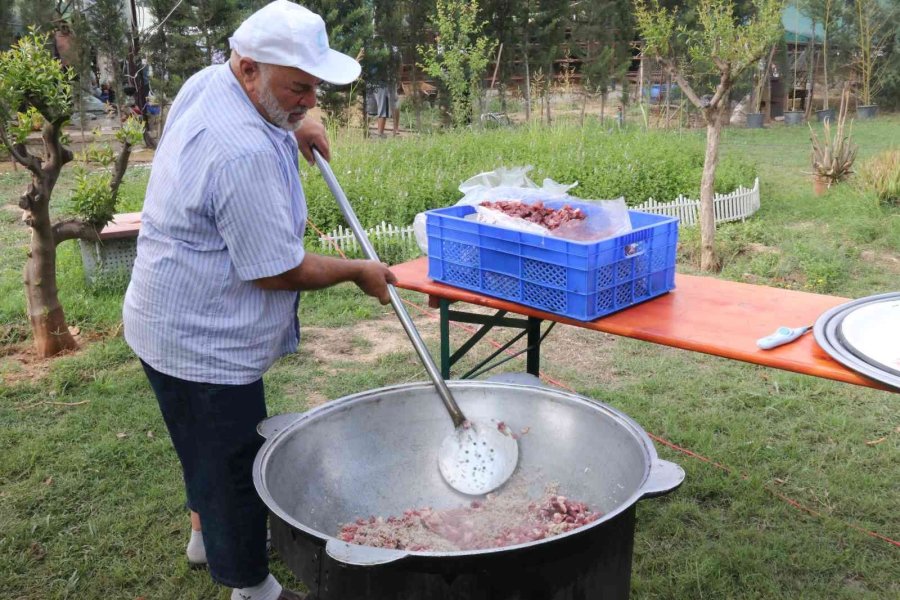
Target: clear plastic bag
503, 183
605, 218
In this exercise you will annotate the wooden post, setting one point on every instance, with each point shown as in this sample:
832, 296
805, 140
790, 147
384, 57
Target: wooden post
496, 65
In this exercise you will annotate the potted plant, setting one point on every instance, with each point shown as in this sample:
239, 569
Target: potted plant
756, 118
871, 38
833, 156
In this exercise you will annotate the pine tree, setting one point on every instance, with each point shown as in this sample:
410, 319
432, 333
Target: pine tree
216, 20
40, 14
547, 36
415, 32
8, 27
601, 31
501, 16
173, 47
107, 30
350, 29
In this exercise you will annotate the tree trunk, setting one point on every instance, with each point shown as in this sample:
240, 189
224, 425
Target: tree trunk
584, 99
415, 96
48, 323
709, 262
527, 81
603, 107
811, 79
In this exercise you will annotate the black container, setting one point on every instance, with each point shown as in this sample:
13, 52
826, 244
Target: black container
755, 120
826, 115
867, 112
793, 117
592, 566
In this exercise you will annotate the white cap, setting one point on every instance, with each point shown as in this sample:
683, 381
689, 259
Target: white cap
284, 33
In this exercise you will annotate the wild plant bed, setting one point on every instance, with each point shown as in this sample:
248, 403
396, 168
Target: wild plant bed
91, 503
392, 180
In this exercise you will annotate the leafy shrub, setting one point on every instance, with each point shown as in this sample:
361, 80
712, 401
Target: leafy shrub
881, 174
393, 181
94, 198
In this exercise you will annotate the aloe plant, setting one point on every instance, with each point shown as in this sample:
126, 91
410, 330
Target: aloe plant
833, 155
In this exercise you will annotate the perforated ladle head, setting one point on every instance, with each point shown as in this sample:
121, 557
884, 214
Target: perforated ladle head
477, 457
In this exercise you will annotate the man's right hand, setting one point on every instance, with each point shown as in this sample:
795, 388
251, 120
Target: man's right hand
373, 278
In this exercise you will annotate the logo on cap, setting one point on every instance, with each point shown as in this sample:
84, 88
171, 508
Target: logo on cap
322, 40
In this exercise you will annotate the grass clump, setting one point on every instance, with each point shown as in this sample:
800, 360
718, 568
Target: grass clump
881, 176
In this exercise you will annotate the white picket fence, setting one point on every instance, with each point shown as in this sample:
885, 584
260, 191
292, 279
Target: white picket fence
738, 205
381, 236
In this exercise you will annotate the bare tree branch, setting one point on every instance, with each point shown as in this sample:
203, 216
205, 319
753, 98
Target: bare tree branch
20, 153
120, 168
72, 229
686, 88
59, 154
724, 86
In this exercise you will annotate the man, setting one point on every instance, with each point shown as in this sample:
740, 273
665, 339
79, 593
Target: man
213, 297
381, 100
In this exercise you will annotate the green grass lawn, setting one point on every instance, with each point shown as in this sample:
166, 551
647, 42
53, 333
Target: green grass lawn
91, 504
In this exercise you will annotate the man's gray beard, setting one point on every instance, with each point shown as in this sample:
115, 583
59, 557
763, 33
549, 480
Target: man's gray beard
277, 115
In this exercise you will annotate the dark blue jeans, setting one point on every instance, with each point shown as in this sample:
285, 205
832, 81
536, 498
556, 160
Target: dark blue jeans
213, 429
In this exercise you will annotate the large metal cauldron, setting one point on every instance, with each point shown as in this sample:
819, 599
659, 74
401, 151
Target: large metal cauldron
375, 453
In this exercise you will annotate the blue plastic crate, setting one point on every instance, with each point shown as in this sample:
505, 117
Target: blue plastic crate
579, 280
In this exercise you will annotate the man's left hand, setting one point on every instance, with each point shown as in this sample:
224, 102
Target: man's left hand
312, 133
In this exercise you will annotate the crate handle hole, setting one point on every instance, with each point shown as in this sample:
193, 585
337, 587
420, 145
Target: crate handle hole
635, 249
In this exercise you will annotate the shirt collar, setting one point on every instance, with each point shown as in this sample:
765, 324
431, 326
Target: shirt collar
234, 85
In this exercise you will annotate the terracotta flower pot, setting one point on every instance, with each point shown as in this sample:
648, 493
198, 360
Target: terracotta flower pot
820, 185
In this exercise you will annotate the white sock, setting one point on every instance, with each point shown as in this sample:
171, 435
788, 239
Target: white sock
269, 589
196, 551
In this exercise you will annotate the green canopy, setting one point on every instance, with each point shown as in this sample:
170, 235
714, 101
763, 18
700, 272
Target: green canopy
798, 27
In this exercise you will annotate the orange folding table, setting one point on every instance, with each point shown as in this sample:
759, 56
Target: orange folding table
703, 314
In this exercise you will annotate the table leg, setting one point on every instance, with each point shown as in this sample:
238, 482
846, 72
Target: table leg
445, 338
533, 359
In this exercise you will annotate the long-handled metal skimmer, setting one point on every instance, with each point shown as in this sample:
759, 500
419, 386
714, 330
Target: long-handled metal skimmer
477, 457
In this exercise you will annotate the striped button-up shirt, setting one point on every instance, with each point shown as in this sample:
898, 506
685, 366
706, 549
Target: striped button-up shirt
224, 206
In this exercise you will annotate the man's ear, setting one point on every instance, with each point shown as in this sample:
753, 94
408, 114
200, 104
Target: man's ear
248, 69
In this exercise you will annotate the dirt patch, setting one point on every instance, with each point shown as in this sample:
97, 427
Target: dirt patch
19, 361
591, 354
886, 260
807, 226
365, 342
756, 248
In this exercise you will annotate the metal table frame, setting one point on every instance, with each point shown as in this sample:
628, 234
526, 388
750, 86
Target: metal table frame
528, 326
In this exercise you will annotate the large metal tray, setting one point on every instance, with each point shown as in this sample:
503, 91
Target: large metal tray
849, 338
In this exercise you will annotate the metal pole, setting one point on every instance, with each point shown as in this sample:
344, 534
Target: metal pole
347, 210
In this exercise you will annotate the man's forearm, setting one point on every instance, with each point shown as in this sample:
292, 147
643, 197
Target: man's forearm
314, 273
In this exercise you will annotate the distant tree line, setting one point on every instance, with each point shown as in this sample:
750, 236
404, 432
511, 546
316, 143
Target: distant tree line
530, 43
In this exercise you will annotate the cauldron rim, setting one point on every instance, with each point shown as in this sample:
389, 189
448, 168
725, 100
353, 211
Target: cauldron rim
670, 482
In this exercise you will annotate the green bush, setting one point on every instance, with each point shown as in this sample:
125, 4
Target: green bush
393, 180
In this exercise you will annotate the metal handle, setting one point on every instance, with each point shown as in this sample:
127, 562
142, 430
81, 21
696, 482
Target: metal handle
435, 375
362, 556
270, 426
664, 477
